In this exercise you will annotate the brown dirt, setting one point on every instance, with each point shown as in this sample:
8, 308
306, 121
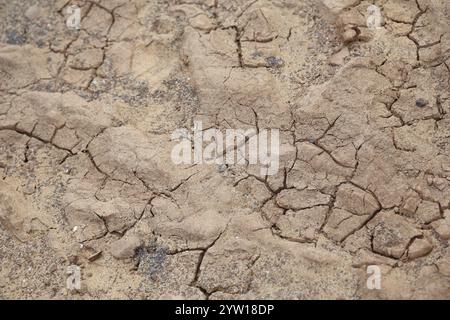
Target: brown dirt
85, 140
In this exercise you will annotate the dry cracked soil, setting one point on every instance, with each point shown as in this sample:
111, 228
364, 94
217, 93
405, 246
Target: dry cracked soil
86, 177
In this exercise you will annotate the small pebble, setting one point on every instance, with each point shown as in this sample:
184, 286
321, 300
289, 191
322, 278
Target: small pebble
349, 35
274, 62
421, 103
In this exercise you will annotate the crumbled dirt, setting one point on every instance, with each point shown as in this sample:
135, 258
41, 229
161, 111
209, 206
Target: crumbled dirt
86, 118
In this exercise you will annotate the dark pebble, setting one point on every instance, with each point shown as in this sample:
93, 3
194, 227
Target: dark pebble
421, 103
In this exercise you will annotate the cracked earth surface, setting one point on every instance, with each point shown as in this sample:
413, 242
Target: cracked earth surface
85, 137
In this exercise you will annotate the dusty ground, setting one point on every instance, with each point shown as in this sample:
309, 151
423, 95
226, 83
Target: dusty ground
85, 137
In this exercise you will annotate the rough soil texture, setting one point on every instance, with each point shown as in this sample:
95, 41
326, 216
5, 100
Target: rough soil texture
85, 139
